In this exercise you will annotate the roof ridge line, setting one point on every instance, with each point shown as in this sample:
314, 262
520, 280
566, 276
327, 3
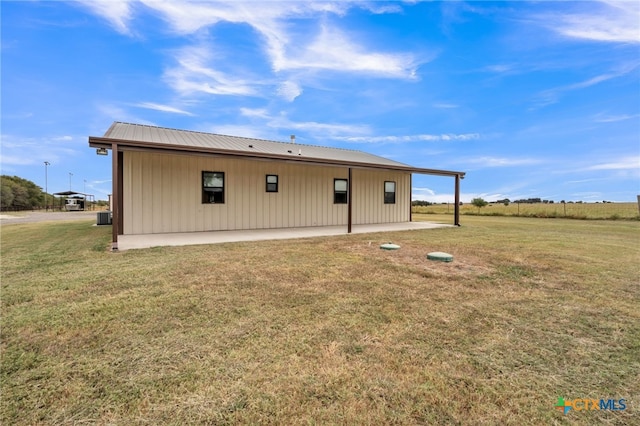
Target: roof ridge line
241, 137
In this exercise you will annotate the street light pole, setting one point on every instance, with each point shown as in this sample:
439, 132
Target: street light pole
46, 186
70, 174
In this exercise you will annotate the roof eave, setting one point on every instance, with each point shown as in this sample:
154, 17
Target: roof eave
105, 142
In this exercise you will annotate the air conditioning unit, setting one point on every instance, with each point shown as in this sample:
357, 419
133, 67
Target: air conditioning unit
104, 218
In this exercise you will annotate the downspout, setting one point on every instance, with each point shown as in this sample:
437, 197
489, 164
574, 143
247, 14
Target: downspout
456, 208
349, 197
115, 221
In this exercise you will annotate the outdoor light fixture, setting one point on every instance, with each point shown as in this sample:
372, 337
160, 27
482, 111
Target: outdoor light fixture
101, 151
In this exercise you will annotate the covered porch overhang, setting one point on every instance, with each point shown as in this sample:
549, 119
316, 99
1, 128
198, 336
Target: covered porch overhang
118, 146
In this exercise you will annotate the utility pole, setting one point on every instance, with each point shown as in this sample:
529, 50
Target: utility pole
46, 186
70, 174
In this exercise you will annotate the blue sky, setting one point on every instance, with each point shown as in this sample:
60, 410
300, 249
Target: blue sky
537, 99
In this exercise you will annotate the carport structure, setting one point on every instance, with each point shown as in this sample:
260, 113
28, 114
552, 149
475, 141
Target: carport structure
85, 198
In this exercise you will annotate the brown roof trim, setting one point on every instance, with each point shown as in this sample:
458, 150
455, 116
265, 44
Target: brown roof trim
104, 142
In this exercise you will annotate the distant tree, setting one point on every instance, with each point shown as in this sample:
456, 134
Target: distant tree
479, 203
529, 201
22, 194
6, 193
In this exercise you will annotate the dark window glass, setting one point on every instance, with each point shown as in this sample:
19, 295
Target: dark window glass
340, 191
389, 192
213, 187
272, 183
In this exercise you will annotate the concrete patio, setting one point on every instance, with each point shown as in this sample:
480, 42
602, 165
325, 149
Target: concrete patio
128, 242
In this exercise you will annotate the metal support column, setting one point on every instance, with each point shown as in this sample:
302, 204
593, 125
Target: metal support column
410, 190
116, 197
456, 208
349, 198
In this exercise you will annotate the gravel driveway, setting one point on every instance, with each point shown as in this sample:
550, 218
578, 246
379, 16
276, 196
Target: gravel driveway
7, 218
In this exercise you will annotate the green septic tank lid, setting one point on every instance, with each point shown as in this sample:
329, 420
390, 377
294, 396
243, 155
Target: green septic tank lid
389, 246
440, 256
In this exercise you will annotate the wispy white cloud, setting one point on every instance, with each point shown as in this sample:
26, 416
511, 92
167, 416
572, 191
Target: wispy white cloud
631, 163
255, 112
163, 108
195, 73
21, 151
608, 21
445, 105
289, 48
487, 161
110, 112
499, 68
446, 137
585, 180
319, 130
289, 90
333, 50
117, 12
551, 96
284, 46
603, 118
314, 129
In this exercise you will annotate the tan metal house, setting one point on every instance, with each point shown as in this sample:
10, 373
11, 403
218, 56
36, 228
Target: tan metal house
167, 180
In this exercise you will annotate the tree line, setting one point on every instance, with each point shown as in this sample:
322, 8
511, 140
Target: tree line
17, 193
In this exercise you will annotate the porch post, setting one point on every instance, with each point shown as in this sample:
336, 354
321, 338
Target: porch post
349, 198
456, 208
410, 190
116, 197
121, 192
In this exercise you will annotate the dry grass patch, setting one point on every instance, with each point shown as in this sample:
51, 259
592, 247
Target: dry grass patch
324, 330
608, 211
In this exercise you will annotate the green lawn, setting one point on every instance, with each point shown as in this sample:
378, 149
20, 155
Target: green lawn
325, 330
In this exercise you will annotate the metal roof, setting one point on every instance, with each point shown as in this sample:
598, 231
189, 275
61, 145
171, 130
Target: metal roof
128, 135
68, 193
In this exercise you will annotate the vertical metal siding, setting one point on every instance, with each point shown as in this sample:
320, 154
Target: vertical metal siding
368, 193
162, 193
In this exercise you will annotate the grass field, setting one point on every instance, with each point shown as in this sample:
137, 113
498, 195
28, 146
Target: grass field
325, 330
610, 211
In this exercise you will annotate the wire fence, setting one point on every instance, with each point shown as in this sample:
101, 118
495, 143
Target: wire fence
611, 211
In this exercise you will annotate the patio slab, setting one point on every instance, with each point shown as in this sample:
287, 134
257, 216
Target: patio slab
128, 242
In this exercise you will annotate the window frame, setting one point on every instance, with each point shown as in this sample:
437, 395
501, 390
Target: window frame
267, 183
206, 193
340, 192
390, 196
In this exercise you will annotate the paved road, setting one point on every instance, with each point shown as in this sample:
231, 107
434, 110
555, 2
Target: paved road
30, 217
